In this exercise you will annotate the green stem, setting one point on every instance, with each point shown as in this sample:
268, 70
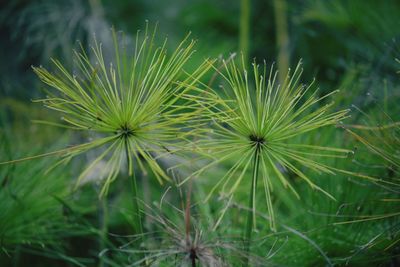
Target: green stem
251, 213
17, 256
244, 29
137, 219
282, 38
103, 218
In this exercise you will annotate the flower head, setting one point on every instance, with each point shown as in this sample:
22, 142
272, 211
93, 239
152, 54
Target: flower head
132, 103
256, 122
180, 238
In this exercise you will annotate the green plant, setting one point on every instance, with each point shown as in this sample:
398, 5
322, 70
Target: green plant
250, 148
180, 238
32, 219
379, 136
244, 29
257, 127
132, 106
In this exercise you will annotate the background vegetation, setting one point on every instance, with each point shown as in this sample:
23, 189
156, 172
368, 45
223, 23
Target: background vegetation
347, 45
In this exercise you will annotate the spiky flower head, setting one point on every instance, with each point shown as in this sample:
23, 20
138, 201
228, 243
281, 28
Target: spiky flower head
256, 122
180, 238
131, 103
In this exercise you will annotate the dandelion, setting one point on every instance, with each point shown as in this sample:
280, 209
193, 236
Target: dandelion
256, 127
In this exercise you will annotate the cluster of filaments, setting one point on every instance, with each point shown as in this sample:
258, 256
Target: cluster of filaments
257, 141
125, 131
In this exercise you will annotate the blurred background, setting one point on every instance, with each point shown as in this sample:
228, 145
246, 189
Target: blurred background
347, 45
334, 38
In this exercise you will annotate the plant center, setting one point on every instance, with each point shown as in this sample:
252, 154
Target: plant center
257, 141
125, 131
193, 256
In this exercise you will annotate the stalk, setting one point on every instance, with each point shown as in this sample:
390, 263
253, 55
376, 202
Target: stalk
17, 256
282, 37
103, 218
137, 219
244, 29
250, 213
187, 223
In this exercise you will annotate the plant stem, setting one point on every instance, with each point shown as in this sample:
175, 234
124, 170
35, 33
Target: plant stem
244, 29
137, 219
251, 212
136, 207
282, 38
17, 256
193, 259
103, 218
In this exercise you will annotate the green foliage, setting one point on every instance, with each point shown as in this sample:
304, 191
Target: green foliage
132, 104
178, 239
251, 150
31, 214
259, 124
